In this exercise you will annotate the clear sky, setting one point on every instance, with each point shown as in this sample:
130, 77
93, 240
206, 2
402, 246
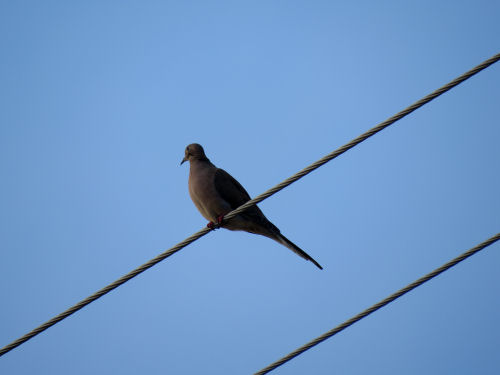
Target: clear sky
100, 98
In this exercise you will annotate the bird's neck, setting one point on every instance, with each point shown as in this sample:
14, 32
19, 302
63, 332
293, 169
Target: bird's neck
199, 159
198, 163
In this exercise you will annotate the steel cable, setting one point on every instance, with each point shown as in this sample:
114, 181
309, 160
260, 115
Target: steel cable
252, 202
379, 305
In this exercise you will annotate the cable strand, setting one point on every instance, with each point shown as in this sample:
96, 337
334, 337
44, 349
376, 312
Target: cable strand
379, 305
248, 204
365, 135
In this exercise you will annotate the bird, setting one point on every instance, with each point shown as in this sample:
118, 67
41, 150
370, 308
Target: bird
215, 193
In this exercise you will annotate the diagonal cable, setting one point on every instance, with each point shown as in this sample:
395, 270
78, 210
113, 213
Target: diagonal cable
252, 202
379, 305
365, 135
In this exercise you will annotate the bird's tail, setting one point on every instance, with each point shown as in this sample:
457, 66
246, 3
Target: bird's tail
297, 250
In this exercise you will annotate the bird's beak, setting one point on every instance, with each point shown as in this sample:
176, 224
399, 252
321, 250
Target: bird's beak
183, 160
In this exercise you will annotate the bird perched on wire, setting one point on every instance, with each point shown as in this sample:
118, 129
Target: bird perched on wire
215, 193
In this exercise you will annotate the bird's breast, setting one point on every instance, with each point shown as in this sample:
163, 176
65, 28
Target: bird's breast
203, 193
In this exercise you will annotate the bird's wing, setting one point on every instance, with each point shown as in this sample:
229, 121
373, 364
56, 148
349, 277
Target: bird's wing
233, 193
229, 189
254, 220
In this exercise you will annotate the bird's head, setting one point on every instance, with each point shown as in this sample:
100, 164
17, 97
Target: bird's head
194, 152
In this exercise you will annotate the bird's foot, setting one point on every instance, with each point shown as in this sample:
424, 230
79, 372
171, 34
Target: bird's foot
214, 226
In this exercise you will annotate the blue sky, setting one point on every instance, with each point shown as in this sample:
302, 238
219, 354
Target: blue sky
99, 100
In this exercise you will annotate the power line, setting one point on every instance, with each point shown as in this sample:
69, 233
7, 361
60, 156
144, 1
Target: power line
379, 305
366, 135
252, 202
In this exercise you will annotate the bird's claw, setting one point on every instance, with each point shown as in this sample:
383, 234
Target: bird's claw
214, 226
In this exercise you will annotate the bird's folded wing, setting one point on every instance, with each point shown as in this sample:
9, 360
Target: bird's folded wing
233, 193
229, 189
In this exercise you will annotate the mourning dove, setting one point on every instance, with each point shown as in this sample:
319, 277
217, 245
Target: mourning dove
215, 193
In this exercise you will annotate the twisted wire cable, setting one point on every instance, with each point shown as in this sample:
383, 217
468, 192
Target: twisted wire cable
248, 204
366, 135
379, 305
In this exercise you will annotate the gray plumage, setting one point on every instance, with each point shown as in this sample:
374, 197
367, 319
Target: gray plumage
215, 193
